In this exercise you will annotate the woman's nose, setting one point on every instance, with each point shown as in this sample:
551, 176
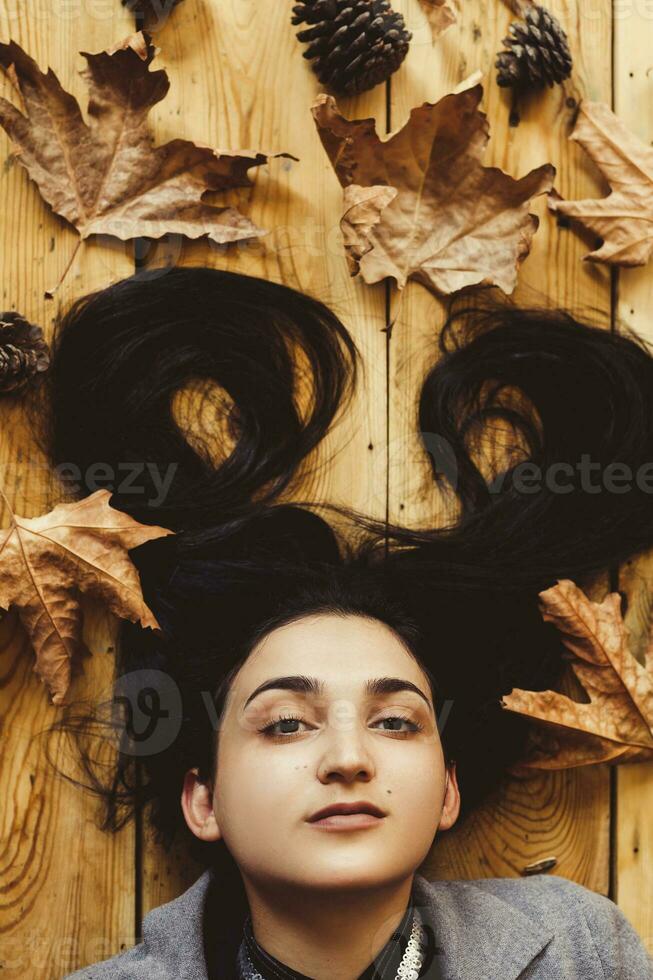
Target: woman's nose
346, 755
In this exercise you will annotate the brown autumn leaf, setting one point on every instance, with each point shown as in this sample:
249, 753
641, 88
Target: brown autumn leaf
617, 723
419, 204
623, 219
439, 15
107, 177
46, 562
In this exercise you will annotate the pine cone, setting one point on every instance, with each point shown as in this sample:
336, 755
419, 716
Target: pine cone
150, 10
24, 353
537, 54
355, 43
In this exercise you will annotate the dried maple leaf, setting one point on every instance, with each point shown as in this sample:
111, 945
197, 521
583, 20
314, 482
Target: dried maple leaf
623, 219
439, 15
108, 177
617, 723
419, 204
47, 561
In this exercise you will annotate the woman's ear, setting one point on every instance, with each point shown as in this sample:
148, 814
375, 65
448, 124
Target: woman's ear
451, 802
197, 804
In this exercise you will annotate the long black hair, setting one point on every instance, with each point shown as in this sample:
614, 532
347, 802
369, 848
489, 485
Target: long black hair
572, 402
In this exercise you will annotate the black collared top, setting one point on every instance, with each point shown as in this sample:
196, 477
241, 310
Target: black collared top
383, 967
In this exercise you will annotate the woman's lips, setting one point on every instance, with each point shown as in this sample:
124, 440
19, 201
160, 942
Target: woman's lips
347, 821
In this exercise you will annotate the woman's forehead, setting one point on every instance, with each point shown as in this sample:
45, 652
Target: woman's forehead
340, 650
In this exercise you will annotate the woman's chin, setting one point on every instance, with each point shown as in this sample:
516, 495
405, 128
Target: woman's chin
351, 875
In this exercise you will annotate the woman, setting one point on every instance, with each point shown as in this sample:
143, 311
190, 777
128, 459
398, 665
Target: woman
322, 708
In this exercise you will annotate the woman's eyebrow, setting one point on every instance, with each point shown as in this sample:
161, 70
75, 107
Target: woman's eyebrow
392, 685
301, 684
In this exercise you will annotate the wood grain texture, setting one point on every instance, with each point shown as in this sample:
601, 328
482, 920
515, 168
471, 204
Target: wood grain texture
239, 67
633, 837
238, 81
505, 835
66, 888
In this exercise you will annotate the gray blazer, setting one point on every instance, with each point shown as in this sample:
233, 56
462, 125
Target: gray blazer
537, 928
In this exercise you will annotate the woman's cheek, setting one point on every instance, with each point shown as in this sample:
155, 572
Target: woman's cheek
422, 767
257, 778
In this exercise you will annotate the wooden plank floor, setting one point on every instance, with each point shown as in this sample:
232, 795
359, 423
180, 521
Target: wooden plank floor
70, 895
67, 889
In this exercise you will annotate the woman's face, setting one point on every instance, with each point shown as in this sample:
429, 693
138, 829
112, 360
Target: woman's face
363, 729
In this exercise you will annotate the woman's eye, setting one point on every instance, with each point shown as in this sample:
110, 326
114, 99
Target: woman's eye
283, 726
394, 723
288, 726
